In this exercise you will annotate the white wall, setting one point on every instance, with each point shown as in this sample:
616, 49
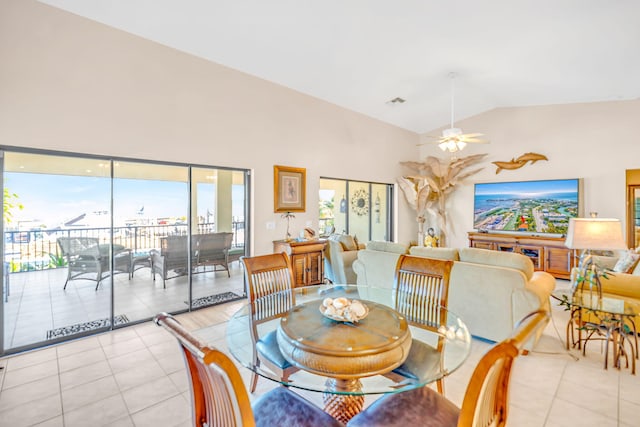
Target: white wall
71, 84
596, 142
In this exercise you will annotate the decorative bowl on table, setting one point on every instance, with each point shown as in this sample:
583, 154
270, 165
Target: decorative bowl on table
343, 309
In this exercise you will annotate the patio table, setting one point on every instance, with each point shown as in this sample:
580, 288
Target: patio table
140, 259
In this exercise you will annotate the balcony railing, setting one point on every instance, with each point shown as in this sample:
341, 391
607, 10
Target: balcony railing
38, 249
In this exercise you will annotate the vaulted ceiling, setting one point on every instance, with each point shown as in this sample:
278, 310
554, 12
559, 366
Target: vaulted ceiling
360, 54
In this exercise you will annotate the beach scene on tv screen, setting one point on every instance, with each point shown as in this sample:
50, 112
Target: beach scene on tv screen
526, 206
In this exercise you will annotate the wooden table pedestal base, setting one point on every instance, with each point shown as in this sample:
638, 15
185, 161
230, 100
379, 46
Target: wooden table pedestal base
343, 407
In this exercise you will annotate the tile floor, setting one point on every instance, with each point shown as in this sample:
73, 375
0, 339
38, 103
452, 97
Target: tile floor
135, 377
38, 303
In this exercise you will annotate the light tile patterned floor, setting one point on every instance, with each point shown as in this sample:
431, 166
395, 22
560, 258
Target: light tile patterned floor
135, 377
38, 302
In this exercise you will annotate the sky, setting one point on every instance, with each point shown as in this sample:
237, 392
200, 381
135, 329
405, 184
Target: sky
54, 199
528, 187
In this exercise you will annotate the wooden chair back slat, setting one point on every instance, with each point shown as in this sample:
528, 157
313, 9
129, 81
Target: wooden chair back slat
421, 290
269, 284
218, 393
268, 278
486, 399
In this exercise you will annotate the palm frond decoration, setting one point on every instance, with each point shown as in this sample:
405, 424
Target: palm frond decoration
432, 180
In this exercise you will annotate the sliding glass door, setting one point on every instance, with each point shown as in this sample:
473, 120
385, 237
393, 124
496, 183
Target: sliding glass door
219, 202
150, 214
92, 243
56, 246
359, 208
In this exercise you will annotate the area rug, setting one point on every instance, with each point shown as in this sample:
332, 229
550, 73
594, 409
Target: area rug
86, 326
214, 299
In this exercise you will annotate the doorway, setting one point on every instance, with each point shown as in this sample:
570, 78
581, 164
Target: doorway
633, 208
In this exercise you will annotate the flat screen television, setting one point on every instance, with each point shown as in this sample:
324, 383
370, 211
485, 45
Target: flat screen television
533, 207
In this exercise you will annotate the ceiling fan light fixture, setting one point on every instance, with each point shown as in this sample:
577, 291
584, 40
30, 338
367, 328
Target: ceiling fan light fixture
452, 139
452, 145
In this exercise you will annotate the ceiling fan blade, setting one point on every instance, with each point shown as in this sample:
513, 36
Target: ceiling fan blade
475, 140
471, 135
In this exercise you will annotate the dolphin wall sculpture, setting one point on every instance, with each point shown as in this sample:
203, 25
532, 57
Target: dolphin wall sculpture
519, 162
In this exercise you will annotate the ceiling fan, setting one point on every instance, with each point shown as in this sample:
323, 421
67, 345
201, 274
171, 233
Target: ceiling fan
453, 139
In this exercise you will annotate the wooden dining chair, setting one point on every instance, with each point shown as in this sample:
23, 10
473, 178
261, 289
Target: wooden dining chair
421, 290
219, 397
269, 283
485, 401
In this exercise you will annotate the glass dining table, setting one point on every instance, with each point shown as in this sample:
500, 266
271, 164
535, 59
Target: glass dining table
348, 360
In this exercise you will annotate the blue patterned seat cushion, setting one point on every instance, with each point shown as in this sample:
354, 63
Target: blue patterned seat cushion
268, 347
419, 407
423, 361
282, 407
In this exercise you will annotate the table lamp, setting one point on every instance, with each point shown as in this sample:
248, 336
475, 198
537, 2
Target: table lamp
592, 234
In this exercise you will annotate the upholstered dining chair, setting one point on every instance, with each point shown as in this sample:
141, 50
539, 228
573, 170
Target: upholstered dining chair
219, 397
269, 283
485, 402
421, 290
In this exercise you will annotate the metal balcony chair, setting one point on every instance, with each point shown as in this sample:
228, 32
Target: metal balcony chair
172, 256
85, 256
485, 402
270, 279
421, 290
213, 249
219, 397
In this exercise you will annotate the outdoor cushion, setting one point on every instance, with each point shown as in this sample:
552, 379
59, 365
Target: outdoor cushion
104, 249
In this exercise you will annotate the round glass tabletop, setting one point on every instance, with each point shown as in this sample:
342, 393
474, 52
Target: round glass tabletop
365, 350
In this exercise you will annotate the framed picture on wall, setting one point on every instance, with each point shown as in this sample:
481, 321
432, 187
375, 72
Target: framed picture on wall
289, 189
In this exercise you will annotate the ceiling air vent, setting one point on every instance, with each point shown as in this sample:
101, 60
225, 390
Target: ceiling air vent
396, 101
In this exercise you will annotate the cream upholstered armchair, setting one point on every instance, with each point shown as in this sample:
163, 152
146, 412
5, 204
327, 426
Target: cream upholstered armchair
339, 253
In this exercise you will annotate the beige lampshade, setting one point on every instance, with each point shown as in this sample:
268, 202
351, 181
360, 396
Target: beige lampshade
595, 233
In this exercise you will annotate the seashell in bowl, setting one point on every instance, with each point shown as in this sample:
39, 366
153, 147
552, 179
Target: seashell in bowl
340, 302
357, 308
343, 309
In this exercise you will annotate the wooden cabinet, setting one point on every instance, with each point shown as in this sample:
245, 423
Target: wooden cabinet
547, 253
559, 262
307, 259
535, 253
